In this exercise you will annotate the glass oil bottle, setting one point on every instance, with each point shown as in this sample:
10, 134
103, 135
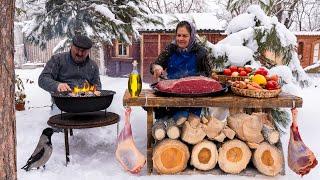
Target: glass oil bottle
134, 83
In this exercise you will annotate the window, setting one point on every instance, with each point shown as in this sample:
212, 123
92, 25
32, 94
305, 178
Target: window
122, 49
316, 52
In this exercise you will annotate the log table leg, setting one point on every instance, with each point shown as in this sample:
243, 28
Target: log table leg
150, 139
66, 144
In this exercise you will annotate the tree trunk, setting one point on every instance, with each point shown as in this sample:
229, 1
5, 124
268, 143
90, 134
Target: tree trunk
101, 59
19, 54
8, 168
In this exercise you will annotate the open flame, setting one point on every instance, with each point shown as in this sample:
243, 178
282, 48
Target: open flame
85, 89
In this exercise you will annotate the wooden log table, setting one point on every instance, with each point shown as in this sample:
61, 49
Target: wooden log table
149, 100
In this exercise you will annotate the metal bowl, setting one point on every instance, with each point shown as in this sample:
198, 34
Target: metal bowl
83, 104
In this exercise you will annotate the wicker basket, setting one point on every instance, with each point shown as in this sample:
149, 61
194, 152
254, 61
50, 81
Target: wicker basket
225, 79
263, 93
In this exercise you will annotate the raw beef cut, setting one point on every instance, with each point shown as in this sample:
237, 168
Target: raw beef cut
300, 158
127, 153
189, 85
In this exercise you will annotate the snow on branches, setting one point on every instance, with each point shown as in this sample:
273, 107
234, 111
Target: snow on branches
102, 21
253, 34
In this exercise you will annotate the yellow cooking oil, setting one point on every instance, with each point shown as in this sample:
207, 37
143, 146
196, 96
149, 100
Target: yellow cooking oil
134, 83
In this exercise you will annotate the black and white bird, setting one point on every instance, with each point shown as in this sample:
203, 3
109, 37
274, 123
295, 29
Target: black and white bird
43, 151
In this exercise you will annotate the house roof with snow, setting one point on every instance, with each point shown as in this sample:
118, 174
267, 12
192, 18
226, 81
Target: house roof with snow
307, 33
203, 21
207, 22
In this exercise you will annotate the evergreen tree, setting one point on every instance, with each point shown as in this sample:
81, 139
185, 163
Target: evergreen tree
101, 20
255, 32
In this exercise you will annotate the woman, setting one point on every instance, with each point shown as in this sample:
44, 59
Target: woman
181, 58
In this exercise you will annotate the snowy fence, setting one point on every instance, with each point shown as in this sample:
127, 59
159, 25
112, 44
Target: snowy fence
35, 54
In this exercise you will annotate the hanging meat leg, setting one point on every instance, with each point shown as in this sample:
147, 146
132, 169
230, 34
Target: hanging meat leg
127, 153
300, 158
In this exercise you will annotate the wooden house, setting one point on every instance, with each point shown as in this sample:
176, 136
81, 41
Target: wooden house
119, 56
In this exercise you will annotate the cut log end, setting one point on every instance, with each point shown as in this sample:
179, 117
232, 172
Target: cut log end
192, 135
204, 155
268, 159
170, 156
173, 131
270, 134
220, 137
159, 134
181, 120
213, 128
159, 130
234, 156
229, 132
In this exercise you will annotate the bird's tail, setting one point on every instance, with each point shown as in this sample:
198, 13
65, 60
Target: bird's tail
26, 167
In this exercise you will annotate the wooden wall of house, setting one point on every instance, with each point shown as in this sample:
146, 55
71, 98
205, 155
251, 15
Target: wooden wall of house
121, 66
306, 46
154, 43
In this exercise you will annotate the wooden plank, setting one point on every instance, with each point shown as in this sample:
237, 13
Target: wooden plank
141, 55
150, 139
148, 99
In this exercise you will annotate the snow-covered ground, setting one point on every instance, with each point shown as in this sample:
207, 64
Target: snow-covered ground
92, 150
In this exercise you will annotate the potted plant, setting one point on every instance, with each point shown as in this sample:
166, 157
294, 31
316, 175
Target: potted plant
19, 95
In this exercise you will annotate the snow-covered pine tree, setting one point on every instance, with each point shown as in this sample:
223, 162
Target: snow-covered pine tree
101, 20
253, 33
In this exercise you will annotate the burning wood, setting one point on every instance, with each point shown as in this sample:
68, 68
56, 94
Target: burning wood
86, 90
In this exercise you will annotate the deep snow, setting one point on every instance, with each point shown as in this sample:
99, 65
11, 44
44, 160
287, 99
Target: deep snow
92, 150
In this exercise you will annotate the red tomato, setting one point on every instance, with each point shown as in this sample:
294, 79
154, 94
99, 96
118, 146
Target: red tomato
243, 73
227, 72
233, 68
240, 69
248, 69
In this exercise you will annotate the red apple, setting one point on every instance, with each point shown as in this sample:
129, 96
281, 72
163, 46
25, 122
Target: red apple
243, 73
227, 72
262, 71
233, 68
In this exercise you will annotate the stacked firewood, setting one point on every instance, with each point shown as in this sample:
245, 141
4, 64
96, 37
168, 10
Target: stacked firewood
205, 142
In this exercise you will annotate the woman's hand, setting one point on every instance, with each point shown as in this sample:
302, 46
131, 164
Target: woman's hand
157, 71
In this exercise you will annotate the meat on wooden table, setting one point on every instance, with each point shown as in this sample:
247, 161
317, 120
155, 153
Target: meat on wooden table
190, 85
127, 153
